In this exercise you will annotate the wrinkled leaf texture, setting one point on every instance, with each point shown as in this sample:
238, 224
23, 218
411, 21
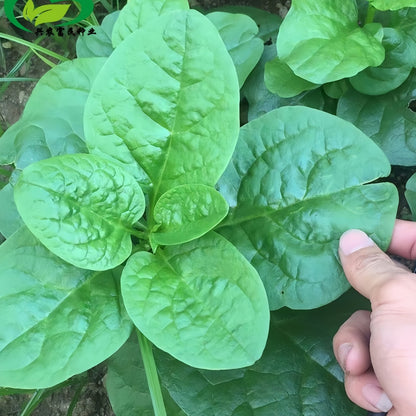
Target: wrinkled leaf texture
57, 320
81, 207
167, 101
294, 186
201, 302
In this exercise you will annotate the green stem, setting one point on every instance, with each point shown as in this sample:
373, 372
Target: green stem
371, 12
34, 402
33, 46
151, 375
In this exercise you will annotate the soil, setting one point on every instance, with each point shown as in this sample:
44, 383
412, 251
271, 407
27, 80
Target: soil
93, 400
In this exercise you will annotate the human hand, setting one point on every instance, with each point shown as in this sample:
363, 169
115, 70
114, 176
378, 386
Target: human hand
377, 350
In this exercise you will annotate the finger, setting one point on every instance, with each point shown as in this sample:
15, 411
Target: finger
403, 241
366, 266
365, 391
351, 344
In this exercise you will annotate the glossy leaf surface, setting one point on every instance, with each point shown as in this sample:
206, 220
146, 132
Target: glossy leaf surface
392, 5
294, 186
166, 94
388, 119
57, 320
297, 374
322, 42
126, 384
52, 123
184, 300
138, 13
186, 212
395, 69
239, 33
81, 207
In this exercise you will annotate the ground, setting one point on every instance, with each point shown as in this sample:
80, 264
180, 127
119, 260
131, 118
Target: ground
93, 399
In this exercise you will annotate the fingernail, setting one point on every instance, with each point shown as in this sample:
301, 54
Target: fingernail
377, 397
353, 240
343, 352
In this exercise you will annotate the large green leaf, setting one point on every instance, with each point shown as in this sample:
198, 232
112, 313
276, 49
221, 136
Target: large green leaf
395, 69
239, 33
81, 207
297, 374
392, 4
127, 387
167, 93
52, 120
322, 42
388, 119
202, 302
57, 320
138, 13
10, 220
294, 186
186, 212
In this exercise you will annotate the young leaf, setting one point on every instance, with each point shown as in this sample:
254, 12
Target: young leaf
167, 93
126, 384
52, 123
297, 374
239, 33
294, 186
410, 194
202, 302
399, 61
138, 13
392, 5
322, 42
388, 119
81, 207
281, 80
57, 320
186, 212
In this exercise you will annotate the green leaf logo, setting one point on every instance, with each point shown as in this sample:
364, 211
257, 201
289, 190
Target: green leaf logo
47, 13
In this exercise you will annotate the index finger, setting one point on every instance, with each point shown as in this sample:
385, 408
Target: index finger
403, 241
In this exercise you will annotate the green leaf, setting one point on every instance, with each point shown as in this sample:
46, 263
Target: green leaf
57, 320
261, 100
388, 119
294, 186
400, 58
49, 13
267, 23
410, 194
186, 212
322, 42
297, 374
100, 44
52, 123
138, 13
126, 384
201, 302
238, 31
81, 207
165, 94
392, 5
281, 80
10, 220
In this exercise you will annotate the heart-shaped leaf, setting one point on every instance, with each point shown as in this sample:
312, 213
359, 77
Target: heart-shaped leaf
322, 42
57, 320
186, 212
167, 93
202, 302
389, 119
294, 186
81, 207
138, 13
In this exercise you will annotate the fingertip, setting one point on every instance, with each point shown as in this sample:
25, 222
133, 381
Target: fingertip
354, 240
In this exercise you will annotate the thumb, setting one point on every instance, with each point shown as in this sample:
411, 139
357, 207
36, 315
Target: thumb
368, 268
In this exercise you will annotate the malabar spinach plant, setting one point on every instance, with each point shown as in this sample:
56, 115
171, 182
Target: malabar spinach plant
141, 217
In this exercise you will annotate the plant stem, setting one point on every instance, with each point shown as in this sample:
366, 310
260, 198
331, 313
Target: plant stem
371, 12
34, 402
151, 375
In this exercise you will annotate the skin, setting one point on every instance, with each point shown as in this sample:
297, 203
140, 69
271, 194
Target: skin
377, 349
